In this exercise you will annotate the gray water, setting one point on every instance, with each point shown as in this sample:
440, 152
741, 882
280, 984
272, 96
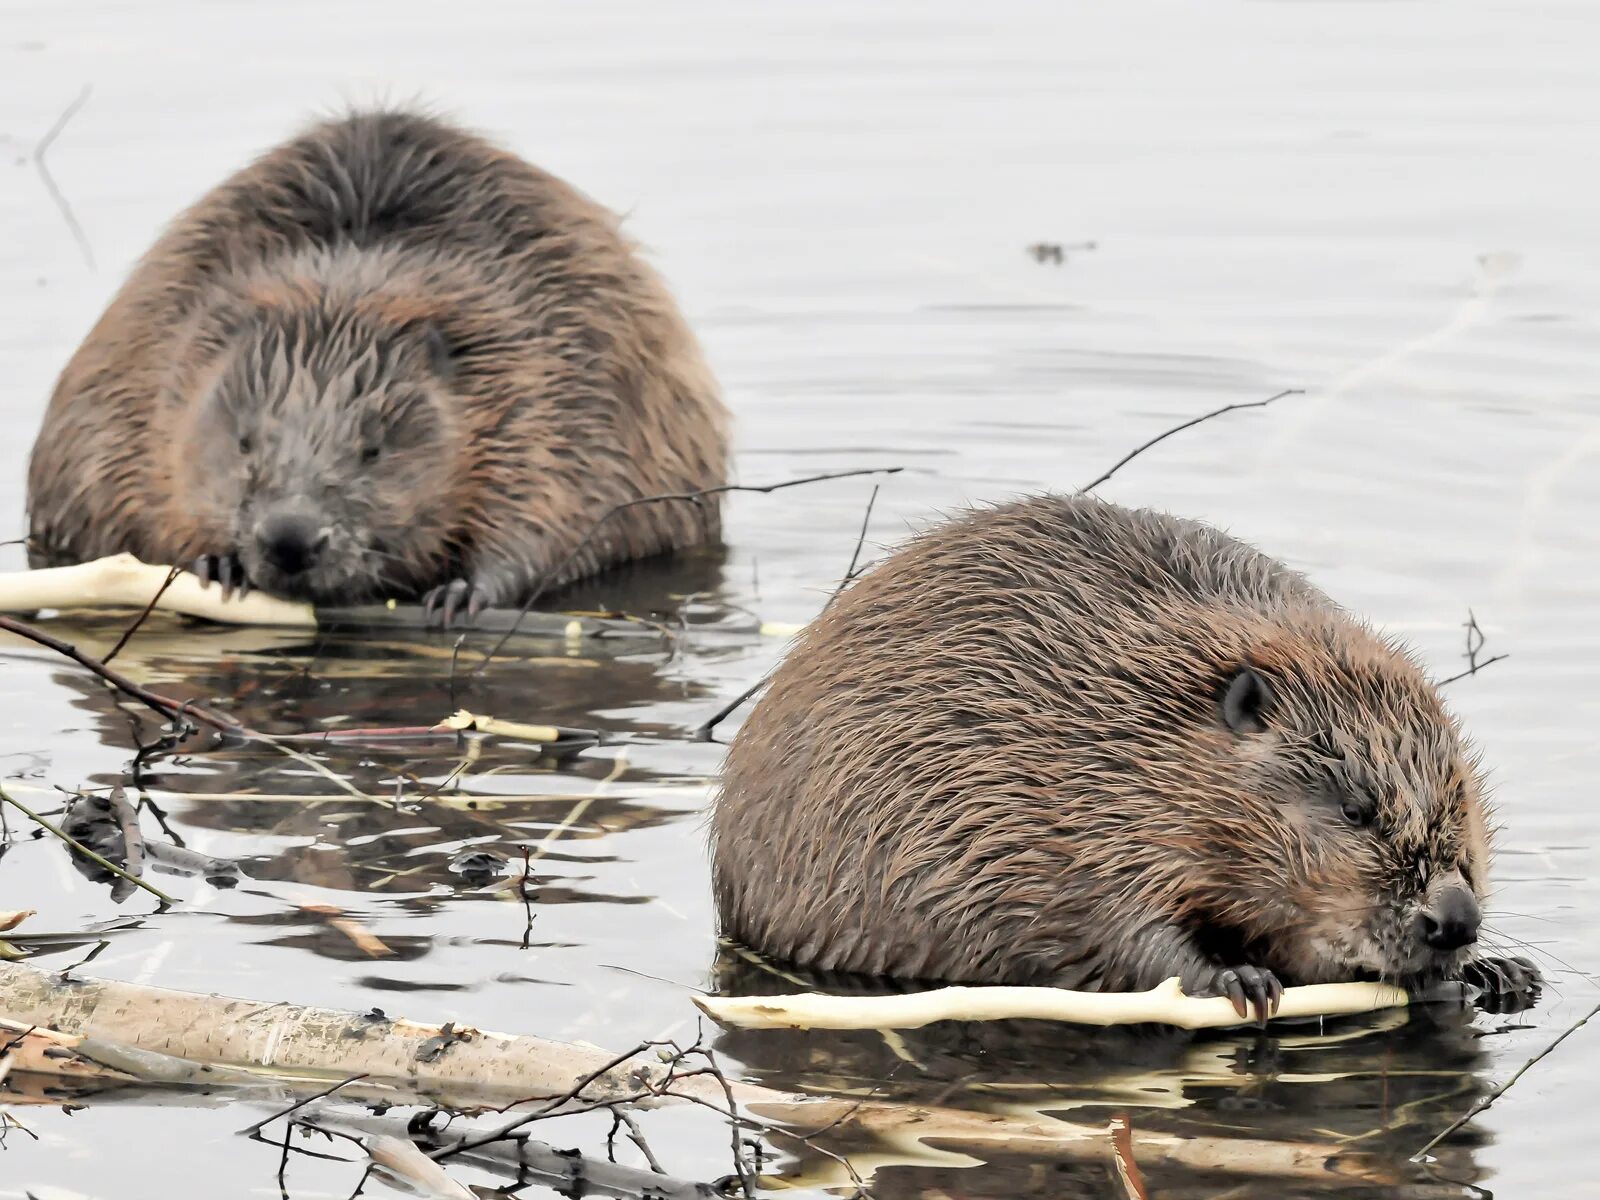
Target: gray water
1388, 205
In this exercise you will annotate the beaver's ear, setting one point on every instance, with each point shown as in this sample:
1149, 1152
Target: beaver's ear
1246, 700
441, 352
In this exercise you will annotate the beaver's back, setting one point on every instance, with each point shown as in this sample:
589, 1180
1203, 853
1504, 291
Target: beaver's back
950, 738
398, 179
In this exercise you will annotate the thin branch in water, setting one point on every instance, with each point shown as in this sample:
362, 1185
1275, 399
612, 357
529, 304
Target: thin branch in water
1189, 424
855, 555
1473, 671
1475, 642
1505, 1087
620, 1117
703, 732
694, 497
173, 710
84, 850
40, 150
527, 899
474, 1141
299, 1104
148, 609
705, 729
455, 657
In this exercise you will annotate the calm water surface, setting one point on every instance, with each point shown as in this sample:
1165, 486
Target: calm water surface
1389, 205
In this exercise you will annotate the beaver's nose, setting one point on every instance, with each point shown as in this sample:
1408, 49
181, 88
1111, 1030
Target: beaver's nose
291, 542
1451, 921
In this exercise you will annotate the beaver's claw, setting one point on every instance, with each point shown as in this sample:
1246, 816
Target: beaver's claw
1507, 984
227, 570
1249, 988
441, 605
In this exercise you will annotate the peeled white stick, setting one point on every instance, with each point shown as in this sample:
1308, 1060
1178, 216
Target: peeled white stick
122, 581
1164, 1004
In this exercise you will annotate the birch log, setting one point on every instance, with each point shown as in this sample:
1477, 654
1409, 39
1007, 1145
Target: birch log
1164, 1004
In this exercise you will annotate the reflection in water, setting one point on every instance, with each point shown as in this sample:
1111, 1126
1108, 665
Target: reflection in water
1361, 1094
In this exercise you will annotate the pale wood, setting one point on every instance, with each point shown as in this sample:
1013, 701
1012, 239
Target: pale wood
122, 581
47, 1052
400, 1157
464, 721
1164, 1004
125, 1025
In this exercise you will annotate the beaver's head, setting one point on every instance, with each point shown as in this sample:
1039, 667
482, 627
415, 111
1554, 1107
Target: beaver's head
1369, 853
323, 450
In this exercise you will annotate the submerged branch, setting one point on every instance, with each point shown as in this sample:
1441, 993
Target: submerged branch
97, 859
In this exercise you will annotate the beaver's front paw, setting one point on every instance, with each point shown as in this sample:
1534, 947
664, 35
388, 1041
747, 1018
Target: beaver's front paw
1507, 985
227, 570
460, 597
1246, 988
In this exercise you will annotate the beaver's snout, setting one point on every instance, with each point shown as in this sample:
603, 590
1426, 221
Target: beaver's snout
1451, 921
290, 542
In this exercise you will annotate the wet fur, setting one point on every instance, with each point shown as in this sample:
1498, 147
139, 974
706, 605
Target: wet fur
449, 358
1000, 757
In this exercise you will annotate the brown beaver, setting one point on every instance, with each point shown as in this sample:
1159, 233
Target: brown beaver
387, 359
1063, 742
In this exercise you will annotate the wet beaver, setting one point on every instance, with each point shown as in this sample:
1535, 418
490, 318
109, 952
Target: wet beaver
1063, 742
388, 359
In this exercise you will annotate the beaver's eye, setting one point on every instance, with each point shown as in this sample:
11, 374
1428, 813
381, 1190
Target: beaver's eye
370, 454
1356, 812
244, 443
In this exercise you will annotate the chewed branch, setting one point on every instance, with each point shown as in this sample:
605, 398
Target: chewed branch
1165, 1004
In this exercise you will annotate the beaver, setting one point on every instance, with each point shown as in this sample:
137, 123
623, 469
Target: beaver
1067, 743
386, 360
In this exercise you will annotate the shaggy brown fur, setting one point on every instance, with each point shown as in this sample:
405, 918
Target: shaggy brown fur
396, 338
1062, 742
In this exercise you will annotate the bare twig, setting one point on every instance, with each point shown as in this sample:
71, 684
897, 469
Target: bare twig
1475, 641
148, 609
84, 850
549, 1107
620, 1117
1189, 424
855, 555
694, 497
40, 150
173, 710
132, 839
527, 899
299, 1104
704, 730
1506, 1086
